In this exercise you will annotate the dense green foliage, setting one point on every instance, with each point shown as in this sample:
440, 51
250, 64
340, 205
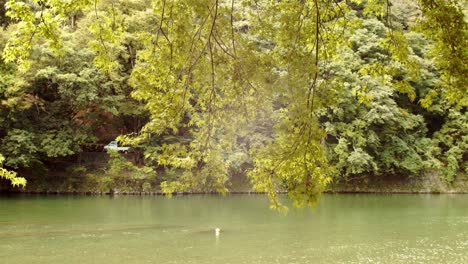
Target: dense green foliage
120, 175
11, 175
294, 94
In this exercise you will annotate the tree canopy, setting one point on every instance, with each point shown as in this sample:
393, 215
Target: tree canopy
301, 90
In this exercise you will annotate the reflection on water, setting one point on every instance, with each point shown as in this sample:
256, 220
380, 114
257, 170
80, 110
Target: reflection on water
342, 229
44, 231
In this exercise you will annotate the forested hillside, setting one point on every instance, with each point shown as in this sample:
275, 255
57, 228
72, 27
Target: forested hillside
292, 94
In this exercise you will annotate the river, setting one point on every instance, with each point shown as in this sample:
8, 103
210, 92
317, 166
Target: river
154, 229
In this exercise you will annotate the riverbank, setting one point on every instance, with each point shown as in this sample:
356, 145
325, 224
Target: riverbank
428, 184
96, 185
88, 176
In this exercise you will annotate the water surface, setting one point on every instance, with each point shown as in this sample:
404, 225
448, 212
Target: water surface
148, 229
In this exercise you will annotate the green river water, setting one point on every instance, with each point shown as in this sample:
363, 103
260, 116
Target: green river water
149, 229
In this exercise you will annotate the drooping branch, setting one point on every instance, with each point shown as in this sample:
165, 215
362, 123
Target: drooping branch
313, 86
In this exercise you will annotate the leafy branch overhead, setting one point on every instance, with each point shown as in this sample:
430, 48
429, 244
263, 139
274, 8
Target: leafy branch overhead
305, 90
11, 175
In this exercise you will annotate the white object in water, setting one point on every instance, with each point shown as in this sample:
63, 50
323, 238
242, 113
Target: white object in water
217, 231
